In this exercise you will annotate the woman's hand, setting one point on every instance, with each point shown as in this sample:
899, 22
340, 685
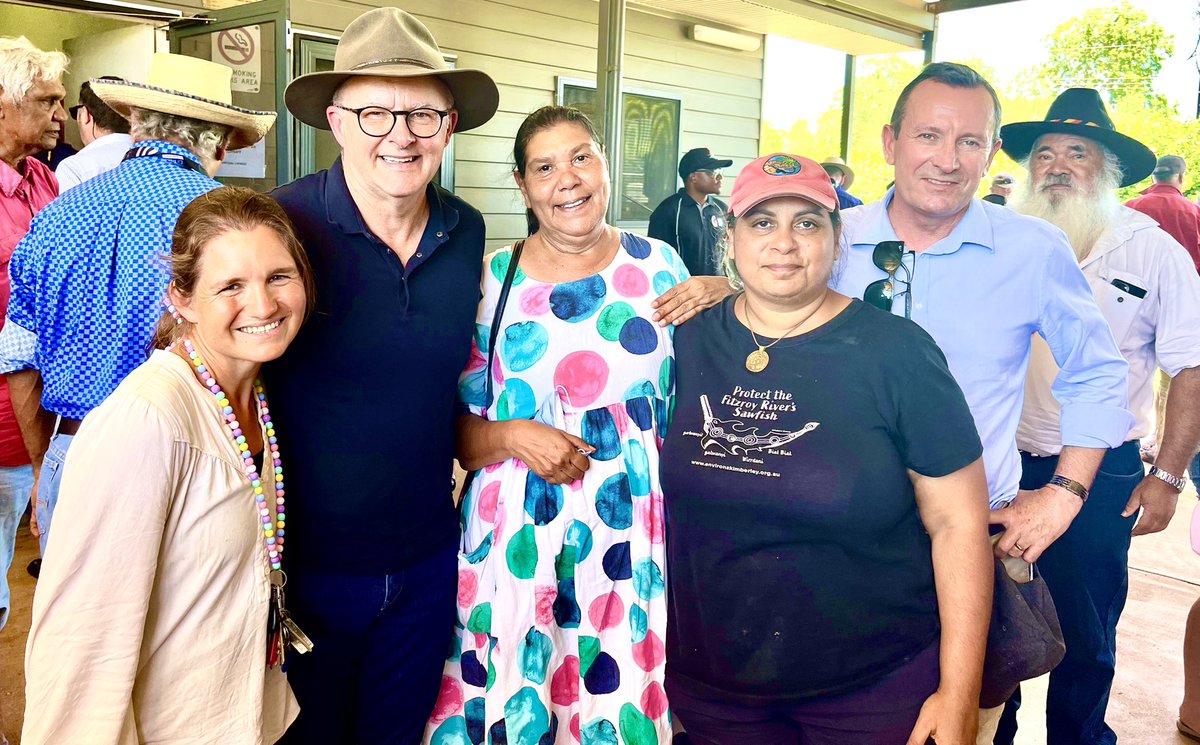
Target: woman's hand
946, 720
688, 298
557, 456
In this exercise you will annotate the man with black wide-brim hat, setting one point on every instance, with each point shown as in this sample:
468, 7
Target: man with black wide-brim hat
1146, 287
366, 393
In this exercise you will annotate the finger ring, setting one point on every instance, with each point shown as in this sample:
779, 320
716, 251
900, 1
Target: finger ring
1019, 547
581, 451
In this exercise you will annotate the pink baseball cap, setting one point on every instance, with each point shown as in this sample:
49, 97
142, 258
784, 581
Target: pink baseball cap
781, 175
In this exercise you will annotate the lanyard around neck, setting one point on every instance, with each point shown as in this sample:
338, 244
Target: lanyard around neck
149, 151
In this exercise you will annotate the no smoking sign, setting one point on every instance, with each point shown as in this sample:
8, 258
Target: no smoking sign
239, 49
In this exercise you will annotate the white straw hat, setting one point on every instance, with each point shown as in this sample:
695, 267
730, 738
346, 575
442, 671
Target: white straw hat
190, 87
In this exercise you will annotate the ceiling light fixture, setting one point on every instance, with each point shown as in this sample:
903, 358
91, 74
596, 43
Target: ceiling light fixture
721, 38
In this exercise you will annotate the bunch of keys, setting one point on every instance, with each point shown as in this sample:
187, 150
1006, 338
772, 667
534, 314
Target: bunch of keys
282, 631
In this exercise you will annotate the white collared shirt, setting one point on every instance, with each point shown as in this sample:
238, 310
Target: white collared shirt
1160, 329
100, 155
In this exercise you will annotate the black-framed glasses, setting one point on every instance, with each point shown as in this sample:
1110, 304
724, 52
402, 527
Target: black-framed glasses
376, 121
889, 256
74, 111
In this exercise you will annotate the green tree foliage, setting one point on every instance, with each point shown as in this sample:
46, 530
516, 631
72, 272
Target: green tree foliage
877, 83
1117, 50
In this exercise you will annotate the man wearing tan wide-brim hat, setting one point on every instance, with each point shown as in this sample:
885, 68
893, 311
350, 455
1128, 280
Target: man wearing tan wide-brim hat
367, 391
842, 177
87, 281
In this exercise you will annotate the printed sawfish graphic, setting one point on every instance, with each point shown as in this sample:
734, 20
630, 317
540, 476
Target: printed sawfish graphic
738, 438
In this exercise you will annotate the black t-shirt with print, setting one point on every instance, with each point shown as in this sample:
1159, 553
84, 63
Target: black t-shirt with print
798, 565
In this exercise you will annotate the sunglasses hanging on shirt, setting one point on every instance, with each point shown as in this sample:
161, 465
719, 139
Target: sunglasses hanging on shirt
889, 256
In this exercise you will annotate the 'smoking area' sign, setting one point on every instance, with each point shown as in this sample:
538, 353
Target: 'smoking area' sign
240, 49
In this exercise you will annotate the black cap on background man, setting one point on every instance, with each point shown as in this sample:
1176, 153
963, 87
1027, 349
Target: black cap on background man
692, 220
700, 159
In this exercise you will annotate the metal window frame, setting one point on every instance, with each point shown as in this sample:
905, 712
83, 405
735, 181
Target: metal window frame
560, 84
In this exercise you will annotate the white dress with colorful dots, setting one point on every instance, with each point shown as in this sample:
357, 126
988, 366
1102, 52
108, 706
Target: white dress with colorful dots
561, 604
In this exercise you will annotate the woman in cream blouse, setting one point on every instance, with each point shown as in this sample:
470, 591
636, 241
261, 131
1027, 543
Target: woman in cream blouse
150, 621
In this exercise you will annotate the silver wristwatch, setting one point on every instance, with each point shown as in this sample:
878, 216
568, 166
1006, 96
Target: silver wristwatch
1174, 481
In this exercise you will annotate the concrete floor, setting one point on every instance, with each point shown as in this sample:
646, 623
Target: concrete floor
1164, 582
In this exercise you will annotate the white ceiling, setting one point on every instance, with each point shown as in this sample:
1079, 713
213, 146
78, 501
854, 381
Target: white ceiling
852, 26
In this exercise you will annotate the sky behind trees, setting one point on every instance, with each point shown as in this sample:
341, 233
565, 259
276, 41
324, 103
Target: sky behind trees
1135, 51
1008, 39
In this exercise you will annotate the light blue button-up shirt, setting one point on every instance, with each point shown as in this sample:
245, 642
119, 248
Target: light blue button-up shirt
981, 293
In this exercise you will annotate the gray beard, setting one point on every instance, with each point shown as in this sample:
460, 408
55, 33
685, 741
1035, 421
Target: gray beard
1082, 215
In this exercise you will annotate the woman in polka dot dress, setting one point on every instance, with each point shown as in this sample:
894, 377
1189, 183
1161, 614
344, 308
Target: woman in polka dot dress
561, 606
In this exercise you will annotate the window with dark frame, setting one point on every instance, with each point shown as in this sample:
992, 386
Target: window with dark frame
649, 146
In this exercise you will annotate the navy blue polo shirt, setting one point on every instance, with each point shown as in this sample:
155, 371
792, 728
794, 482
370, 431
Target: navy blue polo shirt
364, 398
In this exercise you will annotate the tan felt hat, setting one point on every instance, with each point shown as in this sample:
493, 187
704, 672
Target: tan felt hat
390, 43
834, 163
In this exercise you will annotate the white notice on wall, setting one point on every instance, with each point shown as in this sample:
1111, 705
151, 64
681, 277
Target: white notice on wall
240, 49
249, 162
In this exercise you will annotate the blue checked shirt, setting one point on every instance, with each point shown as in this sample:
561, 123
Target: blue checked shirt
89, 279
982, 292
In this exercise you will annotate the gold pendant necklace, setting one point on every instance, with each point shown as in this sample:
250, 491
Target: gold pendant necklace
758, 360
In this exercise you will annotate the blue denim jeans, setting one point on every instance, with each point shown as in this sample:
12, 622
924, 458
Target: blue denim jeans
1194, 469
15, 485
380, 646
49, 481
1087, 572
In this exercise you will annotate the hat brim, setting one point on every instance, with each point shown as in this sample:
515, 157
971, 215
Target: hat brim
1137, 161
248, 126
846, 170
476, 97
710, 165
824, 201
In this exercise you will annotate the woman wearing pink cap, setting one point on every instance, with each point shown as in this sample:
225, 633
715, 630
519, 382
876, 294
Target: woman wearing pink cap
825, 498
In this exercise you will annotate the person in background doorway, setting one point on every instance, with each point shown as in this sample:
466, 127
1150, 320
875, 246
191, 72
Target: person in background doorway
692, 220
31, 116
842, 177
105, 135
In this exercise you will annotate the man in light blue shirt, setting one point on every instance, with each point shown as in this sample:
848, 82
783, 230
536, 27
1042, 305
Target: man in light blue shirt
105, 135
982, 280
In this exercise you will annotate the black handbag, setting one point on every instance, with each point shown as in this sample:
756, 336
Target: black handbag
493, 336
1024, 640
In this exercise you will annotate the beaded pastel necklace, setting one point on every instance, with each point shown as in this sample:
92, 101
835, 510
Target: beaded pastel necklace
273, 531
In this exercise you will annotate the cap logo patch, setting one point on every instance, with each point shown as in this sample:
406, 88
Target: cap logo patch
781, 165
